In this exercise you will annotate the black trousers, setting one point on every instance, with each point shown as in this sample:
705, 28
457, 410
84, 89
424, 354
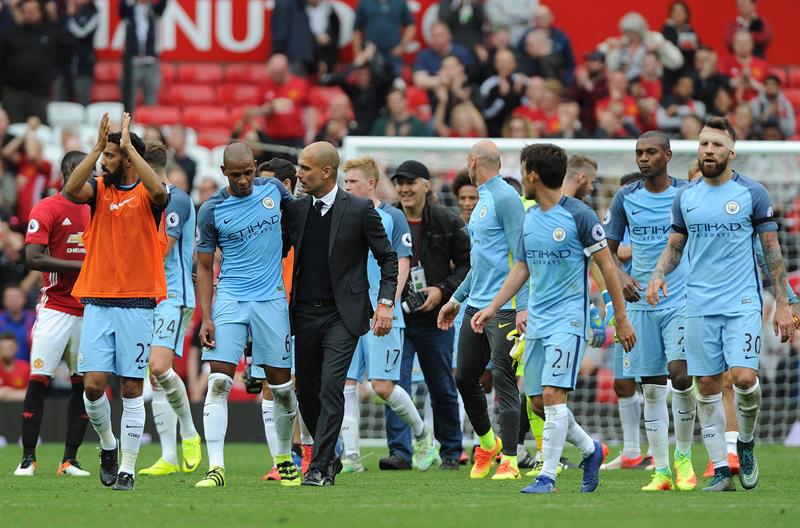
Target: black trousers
323, 352
474, 353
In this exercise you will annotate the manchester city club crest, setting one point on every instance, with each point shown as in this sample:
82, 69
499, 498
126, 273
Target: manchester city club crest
482, 213
626, 362
559, 234
732, 207
268, 202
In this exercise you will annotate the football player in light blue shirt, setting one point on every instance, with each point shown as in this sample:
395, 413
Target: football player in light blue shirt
171, 318
244, 221
716, 219
494, 229
379, 357
560, 235
642, 208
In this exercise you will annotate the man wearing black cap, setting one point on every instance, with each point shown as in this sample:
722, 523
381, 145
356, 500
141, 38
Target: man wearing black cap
439, 262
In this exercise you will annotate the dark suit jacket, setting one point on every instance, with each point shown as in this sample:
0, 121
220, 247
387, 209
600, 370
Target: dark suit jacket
355, 229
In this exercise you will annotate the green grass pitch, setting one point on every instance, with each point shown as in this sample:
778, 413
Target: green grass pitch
384, 499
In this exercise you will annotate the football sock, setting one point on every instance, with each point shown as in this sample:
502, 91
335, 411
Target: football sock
554, 434
537, 424
578, 437
511, 460
305, 434
32, 409
77, 420
215, 417
656, 423
684, 406
731, 438
285, 410
269, 427
166, 422
748, 403
131, 429
351, 421
401, 403
427, 418
99, 412
711, 415
175, 392
630, 414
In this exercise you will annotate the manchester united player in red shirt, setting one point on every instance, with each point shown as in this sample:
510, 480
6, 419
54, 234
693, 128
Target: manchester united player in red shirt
54, 246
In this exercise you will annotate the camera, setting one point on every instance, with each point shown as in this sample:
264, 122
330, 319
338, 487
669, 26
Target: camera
414, 301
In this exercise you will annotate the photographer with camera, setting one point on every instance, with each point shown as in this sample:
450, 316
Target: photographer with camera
439, 262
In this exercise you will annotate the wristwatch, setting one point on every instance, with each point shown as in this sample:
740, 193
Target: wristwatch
386, 302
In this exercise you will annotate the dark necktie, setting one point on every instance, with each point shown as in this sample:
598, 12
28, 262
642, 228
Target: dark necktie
318, 207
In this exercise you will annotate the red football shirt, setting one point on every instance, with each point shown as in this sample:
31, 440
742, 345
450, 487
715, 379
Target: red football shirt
288, 101
758, 68
58, 224
16, 375
33, 180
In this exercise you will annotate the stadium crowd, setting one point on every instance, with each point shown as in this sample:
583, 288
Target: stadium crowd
486, 71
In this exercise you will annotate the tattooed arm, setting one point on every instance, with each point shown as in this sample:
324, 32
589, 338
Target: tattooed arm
783, 323
668, 261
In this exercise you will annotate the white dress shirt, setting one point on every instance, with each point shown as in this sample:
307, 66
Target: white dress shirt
327, 200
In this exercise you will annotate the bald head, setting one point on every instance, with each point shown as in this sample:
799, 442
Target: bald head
487, 154
319, 167
237, 153
324, 154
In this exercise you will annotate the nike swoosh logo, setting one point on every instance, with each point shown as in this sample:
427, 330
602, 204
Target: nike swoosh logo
687, 412
503, 325
226, 220
750, 357
284, 358
636, 212
692, 209
559, 374
115, 206
130, 426
650, 421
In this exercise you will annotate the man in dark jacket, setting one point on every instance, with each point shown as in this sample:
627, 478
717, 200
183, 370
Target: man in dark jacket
77, 70
439, 262
140, 63
292, 36
27, 66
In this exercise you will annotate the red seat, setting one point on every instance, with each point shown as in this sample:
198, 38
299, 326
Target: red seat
106, 92
246, 73
169, 73
239, 94
201, 117
793, 77
157, 115
320, 96
213, 137
200, 73
190, 94
107, 72
793, 95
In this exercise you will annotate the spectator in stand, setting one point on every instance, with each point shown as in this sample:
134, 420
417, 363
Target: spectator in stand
542, 110
141, 67
512, 14
386, 23
17, 320
691, 125
207, 188
610, 125
466, 120
466, 193
742, 121
723, 103
677, 105
292, 36
339, 123
497, 39
8, 195
746, 71
502, 92
771, 106
559, 43
771, 130
518, 127
569, 123
748, 20
531, 104
621, 104
14, 372
679, 31
399, 121
34, 173
650, 79
707, 80
539, 59
627, 52
590, 86
429, 61
465, 19
454, 86
324, 23
154, 133
178, 178
12, 260
77, 72
27, 63
366, 81
180, 157
285, 104
5, 137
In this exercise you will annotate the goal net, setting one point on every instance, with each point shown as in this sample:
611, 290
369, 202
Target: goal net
775, 164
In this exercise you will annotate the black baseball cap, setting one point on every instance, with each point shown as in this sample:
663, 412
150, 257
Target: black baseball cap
411, 170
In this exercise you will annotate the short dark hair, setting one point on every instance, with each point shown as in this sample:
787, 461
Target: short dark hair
462, 180
281, 168
396, 89
548, 160
8, 335
630, 177
155, 154
71, 160
138, 144
773, 77
685, 6
514, 183
659, 135
721, 123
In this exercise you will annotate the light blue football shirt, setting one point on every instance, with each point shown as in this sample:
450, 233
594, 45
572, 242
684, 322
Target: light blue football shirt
181, 225
494, 230
399, 235
646, 216
722, 224
557, 245
248, 231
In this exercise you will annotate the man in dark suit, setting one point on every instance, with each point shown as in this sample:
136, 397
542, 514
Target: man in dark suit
332, 232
